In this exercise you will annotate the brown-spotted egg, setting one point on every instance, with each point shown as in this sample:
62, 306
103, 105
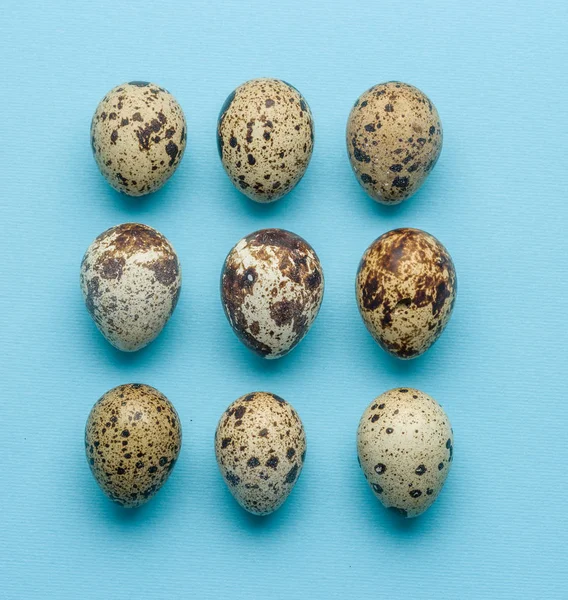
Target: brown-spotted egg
131, 280
405, 449
265, 136
132, 441
271, 289
394, 138
260, 447
138, 136
406, 288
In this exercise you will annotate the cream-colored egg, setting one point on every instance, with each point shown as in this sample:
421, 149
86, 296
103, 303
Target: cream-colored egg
394, 138
406, 288
265, 136
138, 136
131, 280
260, 447
405, 449
271, 289
132, 441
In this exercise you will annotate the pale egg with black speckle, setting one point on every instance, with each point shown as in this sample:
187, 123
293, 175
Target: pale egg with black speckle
405, 446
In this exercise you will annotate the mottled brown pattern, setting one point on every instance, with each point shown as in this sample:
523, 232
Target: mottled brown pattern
406, 289
132, 441
405, 449
131, 280
265, 135
138, 137
394, 138
260, 447
271, 288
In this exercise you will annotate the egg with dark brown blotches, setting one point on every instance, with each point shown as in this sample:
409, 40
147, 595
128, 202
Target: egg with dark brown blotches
138, 136
132, 441
406, 288
260, 447
405, 446
394, 139
131, 281
265, 136
271, 289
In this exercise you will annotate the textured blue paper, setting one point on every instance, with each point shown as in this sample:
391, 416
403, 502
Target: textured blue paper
497, 199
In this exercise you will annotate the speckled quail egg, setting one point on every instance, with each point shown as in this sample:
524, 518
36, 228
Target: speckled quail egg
138, 135
406, 288
394, 138
265, 136
405, 448
131, 280
271, 288
132, 441
260, 447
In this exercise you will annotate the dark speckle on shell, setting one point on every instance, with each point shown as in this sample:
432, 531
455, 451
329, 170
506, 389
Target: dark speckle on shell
394, 138
271, 288
131, 280
265, 134
406, 289
132, 441
406, 454
260, 446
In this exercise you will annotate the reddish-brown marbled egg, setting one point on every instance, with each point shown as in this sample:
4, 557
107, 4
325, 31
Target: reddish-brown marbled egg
406, 288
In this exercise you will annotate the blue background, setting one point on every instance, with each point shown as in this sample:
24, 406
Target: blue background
497, 199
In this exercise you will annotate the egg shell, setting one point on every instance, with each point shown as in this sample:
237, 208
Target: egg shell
132, 441
394, 138
265, 136
260, 447
405, 449
406, 288
131, 280
271, 289
138, 136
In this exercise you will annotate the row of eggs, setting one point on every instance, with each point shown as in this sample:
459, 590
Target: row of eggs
272, 286
265, 137
133, 439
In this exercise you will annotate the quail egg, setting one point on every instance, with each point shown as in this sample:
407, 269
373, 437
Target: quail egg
394, 138
260, 447
138, 137
265, 136
406, 289
405, 449
132, 441
131, 280
271, 289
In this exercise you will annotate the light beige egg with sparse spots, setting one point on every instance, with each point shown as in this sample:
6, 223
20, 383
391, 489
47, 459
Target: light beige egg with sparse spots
394, 139
405, 449
132, 441
138, 137
260, 447
265, 136
406, 289
131, 281
271, 289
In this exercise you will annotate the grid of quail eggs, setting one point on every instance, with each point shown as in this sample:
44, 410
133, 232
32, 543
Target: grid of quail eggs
272, 287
